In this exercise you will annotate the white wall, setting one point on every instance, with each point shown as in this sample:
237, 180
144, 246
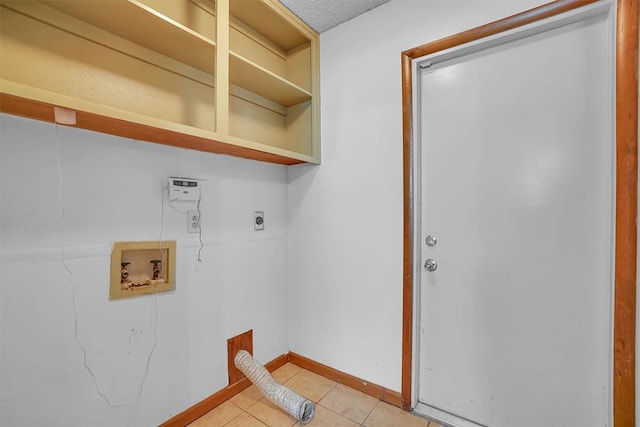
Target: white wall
345, 235
343, 248
112, 191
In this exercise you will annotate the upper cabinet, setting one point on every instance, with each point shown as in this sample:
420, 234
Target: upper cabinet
237, 77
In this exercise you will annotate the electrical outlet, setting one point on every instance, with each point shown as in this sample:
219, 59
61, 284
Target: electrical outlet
258, 220
193, 222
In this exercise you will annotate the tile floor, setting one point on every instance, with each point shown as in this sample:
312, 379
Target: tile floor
336, 405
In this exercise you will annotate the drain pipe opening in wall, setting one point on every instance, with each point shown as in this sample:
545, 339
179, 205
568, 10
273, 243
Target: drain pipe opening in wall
295, 405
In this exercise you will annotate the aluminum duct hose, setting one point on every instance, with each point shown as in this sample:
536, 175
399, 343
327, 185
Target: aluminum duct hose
297, 406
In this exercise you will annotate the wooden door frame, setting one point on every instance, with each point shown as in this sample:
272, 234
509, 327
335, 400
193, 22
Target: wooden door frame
626, 101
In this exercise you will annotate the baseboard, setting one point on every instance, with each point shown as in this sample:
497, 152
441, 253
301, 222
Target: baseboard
199, 409
377, 391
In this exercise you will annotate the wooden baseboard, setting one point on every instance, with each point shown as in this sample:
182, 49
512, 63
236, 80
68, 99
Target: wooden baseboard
199, 409
377, 391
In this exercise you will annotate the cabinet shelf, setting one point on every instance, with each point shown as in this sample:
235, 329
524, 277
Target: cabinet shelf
39, 105
146, 69
261, 81
138, 23
269, 22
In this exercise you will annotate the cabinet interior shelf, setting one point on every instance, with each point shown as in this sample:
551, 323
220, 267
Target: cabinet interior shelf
134, 21
266, 20
261, 81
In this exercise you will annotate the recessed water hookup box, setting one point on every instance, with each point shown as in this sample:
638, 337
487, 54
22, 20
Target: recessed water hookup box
142, 268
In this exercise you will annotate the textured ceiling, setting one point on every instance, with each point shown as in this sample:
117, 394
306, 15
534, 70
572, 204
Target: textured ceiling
324, 14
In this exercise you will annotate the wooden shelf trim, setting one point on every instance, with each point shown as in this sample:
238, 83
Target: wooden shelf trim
199, 140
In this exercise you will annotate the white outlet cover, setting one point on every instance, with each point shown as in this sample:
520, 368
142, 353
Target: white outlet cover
193, 221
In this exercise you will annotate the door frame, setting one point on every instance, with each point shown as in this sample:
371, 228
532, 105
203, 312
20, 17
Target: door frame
626, 102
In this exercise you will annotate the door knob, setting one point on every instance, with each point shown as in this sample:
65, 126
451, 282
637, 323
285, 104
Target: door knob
431, 240
430, 265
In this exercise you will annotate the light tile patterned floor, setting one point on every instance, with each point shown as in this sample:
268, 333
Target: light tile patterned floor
336, 405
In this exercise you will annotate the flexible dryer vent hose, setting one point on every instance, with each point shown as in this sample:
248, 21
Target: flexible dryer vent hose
297, 406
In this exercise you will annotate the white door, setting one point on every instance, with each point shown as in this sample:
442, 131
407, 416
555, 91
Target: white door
517, 159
